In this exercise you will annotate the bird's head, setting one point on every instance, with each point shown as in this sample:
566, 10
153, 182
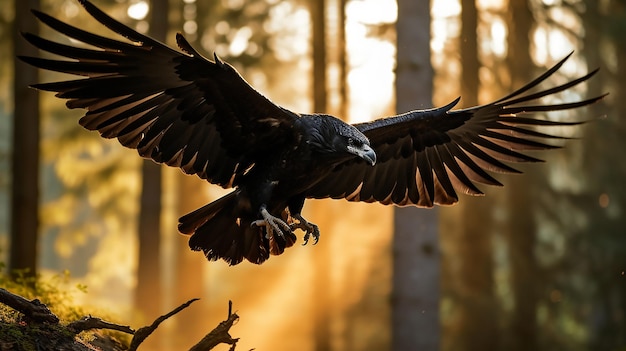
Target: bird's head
333, 136
356, 144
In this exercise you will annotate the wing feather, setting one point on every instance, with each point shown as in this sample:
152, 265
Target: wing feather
459, 178
424, 157
176, 108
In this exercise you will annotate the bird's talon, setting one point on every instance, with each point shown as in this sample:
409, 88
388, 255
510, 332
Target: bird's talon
273, 225
305, 238
309, 229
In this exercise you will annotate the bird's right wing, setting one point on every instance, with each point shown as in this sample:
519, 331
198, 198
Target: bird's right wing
425, 156
176, 108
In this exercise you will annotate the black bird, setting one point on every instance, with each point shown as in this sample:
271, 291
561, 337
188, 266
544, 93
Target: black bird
187, 111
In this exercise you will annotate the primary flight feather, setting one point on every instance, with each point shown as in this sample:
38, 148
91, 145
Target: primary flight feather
200, 115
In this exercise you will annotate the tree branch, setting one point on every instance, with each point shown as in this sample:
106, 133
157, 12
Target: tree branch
220, 334
142, 333
37, 312
89, 322
33, 310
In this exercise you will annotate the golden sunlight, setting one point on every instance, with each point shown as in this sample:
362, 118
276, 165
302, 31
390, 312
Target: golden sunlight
371, 59
138, 10
537, 257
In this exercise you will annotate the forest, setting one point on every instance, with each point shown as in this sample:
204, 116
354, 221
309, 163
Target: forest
538, 264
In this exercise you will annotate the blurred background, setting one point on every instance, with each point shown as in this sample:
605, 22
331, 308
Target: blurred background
536, 265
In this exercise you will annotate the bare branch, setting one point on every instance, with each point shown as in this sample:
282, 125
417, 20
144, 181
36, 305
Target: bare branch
89, 322
142, 333
220, 334
37, 312
33, 310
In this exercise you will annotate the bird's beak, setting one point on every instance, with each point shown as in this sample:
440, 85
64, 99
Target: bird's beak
368, 154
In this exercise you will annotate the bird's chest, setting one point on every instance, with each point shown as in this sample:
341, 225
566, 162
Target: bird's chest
288, 173
297, 169
284, 176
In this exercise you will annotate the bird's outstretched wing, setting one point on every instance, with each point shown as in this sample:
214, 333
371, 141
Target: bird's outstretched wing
425, 156
173, 107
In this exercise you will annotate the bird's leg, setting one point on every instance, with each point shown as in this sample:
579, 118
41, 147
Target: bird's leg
309, 228
272, 224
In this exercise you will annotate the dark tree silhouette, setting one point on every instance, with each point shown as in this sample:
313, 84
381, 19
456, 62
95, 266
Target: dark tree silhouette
474, 275
321, 325
148, 295
25, 161
521, 227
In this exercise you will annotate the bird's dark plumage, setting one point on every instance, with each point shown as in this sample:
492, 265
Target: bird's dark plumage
187, 111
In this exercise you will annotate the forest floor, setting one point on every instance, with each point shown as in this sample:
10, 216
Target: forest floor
29, 324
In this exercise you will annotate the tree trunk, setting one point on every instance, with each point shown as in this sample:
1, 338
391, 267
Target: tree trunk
521, 227
25, 163
416, 253
609, 300
148, 290
148, 294
190, 266
472, 280
321, 325
343, 60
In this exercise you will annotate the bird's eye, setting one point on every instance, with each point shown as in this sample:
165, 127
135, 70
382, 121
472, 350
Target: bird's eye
355, 142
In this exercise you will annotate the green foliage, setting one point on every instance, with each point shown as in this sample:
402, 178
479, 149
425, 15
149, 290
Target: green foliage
58, 293
55, 292
26, 338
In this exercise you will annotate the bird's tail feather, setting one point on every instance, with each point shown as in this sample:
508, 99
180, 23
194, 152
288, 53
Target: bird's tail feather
220, 232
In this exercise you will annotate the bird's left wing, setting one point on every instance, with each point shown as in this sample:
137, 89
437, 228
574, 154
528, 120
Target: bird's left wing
174, 107
424, 157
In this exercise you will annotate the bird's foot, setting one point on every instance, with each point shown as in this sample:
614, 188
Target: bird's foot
309, 229
273, 225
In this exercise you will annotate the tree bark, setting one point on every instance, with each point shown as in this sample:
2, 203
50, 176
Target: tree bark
25, 162
416, 253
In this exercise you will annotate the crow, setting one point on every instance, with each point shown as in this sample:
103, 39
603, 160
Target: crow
200, 115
